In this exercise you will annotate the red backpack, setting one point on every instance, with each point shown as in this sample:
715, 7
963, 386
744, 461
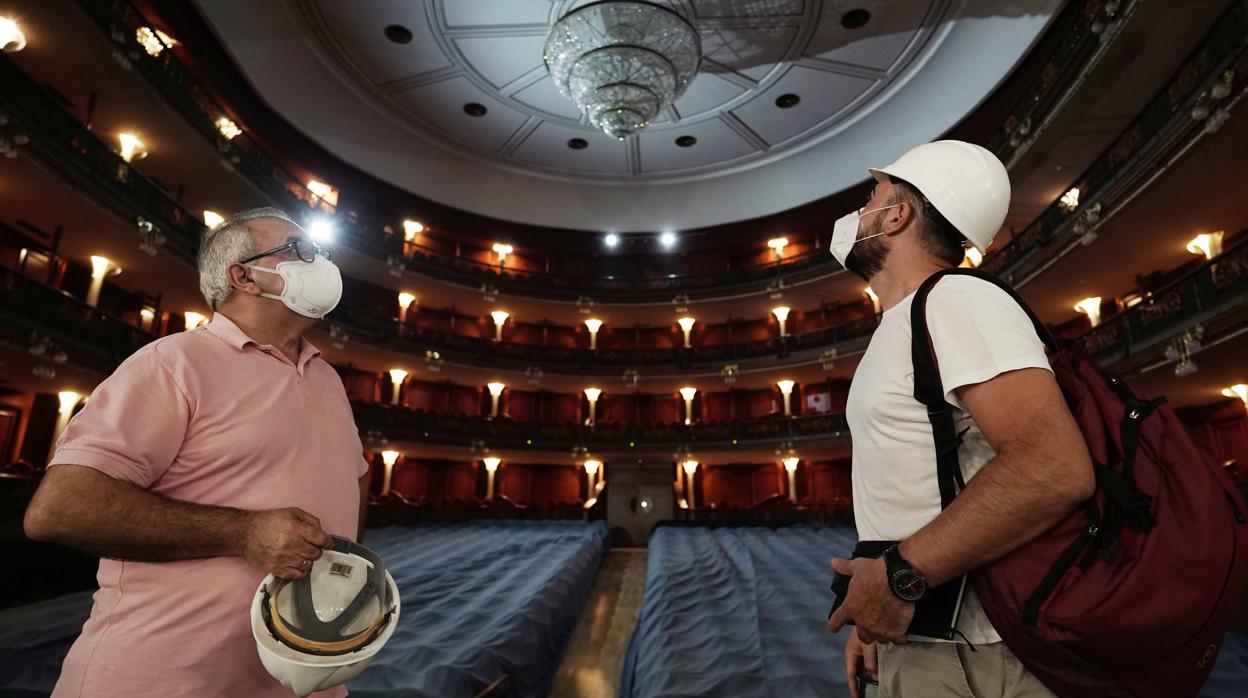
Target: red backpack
1132, 594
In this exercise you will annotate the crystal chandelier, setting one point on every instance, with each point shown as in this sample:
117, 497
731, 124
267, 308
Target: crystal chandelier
621, 62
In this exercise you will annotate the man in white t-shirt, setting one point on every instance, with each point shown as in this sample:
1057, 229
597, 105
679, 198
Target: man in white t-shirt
1023, 458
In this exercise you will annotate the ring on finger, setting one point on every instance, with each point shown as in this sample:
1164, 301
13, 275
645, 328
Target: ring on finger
304, 564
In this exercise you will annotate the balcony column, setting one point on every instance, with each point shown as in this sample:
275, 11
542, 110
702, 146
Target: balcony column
690, 466
68, 401
790, 466
786, 389
688, 395
388, 459
491, 466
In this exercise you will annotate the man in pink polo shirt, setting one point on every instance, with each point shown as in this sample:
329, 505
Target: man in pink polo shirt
206, 461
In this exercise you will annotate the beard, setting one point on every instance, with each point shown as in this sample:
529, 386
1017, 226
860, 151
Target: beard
866, 258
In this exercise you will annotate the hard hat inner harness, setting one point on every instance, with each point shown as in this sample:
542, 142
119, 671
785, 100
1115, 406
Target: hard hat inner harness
312, 635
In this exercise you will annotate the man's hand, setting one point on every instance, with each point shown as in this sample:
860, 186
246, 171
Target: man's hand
855, 648
284, 542
870, 604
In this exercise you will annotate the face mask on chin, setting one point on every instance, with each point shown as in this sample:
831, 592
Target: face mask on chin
845, 236
311, 289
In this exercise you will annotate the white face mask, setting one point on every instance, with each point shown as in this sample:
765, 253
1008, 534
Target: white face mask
311, 289
845, 233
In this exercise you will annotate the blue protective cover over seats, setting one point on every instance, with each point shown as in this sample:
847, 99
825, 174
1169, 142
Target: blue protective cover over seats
739, 612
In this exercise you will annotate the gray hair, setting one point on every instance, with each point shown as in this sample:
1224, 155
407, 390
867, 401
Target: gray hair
224, 244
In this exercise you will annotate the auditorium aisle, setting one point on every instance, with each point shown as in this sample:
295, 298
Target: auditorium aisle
591, 664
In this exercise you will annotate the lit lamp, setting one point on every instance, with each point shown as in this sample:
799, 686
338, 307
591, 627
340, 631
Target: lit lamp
193, 319
790, 466
397, 375
778, 244
1092, 308
389, 458
686, 326
782, 314
411, 229
68, 401
496, 391
688, 393
212, 219
502, 249
323, 192
690, 466
875, 299
405, 300
592, 395
1239, 390
12, 39
500, 317
491, 467
593, 325
786, 389
100, 268
591, 476
227, 128
131, 147
1208, 244
973, 258
147, 317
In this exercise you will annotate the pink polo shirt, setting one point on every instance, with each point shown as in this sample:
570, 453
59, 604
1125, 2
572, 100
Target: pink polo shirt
210, 417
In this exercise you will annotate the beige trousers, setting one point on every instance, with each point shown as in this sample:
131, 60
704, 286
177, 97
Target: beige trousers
947, 669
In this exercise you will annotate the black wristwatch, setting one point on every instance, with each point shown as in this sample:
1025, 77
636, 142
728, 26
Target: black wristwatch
906, 583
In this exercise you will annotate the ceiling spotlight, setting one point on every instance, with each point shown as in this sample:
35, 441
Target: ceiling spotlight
321, 230
611, 240
668, 239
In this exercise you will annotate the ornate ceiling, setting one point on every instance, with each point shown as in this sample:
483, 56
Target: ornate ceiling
451, 99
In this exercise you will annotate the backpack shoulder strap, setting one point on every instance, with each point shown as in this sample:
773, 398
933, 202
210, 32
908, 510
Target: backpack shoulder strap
928, 388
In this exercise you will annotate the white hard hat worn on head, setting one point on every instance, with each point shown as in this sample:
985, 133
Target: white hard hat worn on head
323, 629
966, 183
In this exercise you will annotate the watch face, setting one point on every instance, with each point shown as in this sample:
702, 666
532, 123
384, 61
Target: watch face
909, 585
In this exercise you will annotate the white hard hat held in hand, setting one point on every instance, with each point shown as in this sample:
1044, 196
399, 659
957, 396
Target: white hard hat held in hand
965, 182
323, 629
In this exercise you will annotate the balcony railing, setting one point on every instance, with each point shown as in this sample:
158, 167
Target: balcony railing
1069, 57
403, 424
101, 341
91, 338
1209, 290
1167, 113
387, 332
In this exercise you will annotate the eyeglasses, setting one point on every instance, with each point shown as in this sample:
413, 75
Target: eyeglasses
305, 250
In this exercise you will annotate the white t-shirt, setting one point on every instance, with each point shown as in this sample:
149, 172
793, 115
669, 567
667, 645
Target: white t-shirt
978, 332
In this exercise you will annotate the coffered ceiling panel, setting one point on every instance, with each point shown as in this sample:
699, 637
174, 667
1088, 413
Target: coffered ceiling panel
457, 96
